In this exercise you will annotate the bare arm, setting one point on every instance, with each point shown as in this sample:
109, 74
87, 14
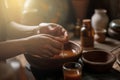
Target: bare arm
41, 45
11, 48
16, 30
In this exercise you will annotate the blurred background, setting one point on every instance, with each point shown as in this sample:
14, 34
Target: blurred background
63, 12
58, 11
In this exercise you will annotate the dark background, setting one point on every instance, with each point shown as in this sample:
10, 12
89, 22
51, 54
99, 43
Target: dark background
112, 7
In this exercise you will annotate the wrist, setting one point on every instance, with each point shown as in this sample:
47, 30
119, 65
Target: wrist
23, 46
36, 30
24, 43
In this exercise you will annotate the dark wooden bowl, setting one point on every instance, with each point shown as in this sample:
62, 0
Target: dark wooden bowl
54, 63
98, 60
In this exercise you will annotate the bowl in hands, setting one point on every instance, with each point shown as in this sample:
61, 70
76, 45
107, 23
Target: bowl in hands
98, 60
56, 62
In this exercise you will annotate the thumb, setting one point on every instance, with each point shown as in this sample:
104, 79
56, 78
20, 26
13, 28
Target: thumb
61, 39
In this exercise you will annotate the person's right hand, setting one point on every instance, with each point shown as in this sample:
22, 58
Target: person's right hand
43, 45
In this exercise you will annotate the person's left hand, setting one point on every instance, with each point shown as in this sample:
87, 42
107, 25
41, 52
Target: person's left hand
53, 29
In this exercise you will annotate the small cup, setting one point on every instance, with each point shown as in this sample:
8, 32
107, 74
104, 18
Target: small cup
72, 71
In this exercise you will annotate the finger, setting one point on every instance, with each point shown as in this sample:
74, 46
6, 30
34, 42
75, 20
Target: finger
64, 35
58, 40
57, 45
54, 39
47, 50
46, 54
43, 54
53, 24
54, 50
44, 24
60, 31
38, 56
35, 54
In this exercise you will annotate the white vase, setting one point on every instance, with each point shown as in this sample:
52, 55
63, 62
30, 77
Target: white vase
100, 20
99, 24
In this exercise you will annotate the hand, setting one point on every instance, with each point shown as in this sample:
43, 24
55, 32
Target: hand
54, 30
43, 45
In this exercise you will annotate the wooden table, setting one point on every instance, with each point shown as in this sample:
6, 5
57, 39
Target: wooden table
114, 74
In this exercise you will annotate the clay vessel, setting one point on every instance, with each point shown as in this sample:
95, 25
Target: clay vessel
99, 24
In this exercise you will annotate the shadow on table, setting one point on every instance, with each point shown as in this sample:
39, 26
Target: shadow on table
46, 75
57, 75
111, 75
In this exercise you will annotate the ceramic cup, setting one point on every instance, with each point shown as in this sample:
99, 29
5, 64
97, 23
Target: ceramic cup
72, 71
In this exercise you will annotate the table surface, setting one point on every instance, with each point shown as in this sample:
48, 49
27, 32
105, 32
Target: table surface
110, 45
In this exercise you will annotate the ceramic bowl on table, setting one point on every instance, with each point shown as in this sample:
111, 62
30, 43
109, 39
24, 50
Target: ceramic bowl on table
57, 61
98, 60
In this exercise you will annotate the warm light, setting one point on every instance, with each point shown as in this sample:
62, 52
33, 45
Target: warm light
12, 9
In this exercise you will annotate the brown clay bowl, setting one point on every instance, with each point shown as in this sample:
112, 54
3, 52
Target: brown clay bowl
55, 63
98, 60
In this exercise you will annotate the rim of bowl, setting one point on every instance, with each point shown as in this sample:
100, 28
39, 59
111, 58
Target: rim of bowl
99, 63
79, 53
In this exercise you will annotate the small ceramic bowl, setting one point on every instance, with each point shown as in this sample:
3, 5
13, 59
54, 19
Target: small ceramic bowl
98, 60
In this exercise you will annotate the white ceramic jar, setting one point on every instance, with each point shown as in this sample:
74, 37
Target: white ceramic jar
99, 24
100, 20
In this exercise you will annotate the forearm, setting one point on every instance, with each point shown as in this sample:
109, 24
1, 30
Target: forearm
16, 30
11, 48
